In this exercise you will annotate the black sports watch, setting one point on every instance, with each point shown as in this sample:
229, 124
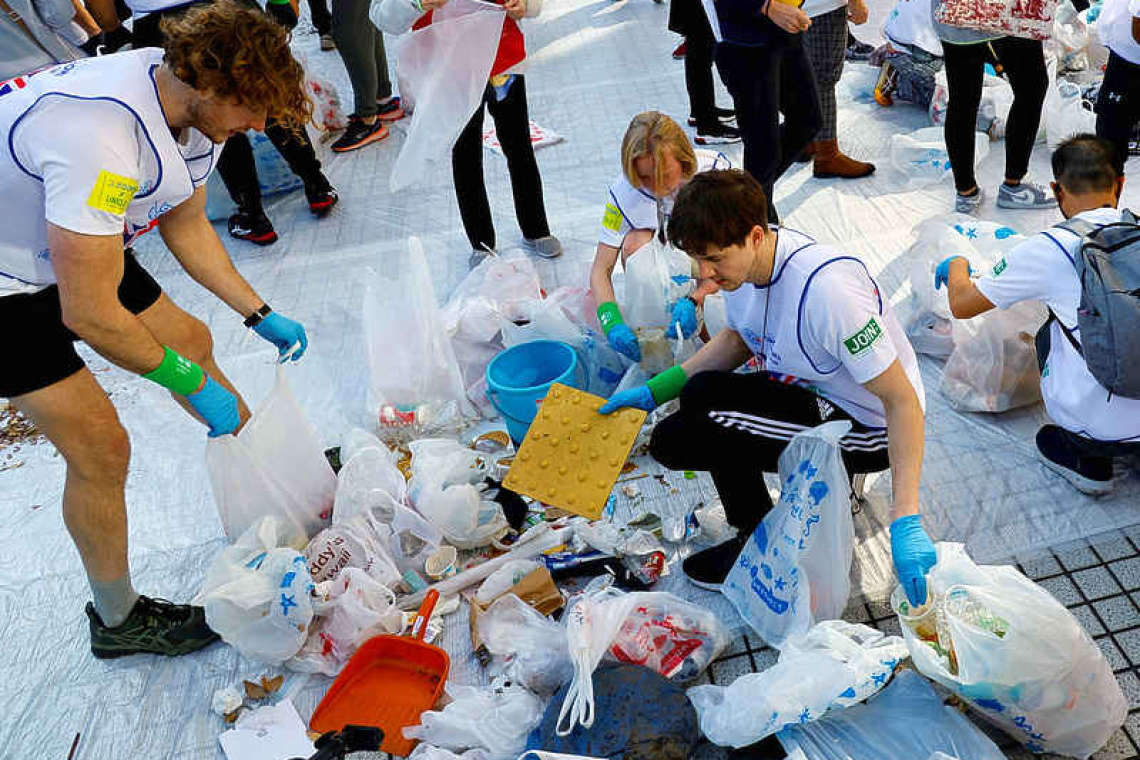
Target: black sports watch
257, 316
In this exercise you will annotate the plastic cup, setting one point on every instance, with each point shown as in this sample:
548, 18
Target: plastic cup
441, 564
923, 621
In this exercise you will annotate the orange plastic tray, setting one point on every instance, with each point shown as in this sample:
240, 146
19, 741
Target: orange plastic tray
389, 683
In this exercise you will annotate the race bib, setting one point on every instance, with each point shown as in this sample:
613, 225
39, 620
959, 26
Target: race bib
112, 193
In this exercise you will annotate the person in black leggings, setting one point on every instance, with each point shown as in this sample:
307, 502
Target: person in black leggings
965, 53
236, 164
688, 18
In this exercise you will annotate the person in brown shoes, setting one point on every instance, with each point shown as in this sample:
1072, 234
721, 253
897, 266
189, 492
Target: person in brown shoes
826, 44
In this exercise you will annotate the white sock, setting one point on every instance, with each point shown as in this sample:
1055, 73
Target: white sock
114, 600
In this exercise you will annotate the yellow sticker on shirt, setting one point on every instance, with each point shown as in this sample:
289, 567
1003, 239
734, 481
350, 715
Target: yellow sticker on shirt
612, 219
112, 193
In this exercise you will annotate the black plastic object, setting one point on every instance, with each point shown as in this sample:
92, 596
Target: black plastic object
514, 507
334, 745
639, 715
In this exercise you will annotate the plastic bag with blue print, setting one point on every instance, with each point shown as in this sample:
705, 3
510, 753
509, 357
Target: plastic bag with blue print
795, 570
836, 664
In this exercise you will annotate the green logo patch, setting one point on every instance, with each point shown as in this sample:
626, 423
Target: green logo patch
612, 218
861, 342
999, 267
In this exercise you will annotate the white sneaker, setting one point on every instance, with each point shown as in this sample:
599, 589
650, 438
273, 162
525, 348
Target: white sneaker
547, 247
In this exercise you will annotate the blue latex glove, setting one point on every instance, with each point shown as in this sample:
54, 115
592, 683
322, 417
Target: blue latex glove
217, 406
942, 271
283, 333
684, 314
637, 398
625, 342
914, 555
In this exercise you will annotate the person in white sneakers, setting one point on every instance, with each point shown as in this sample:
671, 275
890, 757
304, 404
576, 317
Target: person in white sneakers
1091, 425
100, 151
657, 160
830, 348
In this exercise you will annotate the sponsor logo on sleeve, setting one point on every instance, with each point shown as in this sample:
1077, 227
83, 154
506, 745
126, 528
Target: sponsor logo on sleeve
862, 341
612, 218
999, 267
112, 193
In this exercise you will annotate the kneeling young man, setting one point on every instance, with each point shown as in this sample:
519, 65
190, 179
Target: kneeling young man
829, 348
1093, 425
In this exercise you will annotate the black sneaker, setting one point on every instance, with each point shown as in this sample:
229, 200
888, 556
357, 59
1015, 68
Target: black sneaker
856, 50
722, 114
322, 197
1091, 475
709, 568
253, 226
716, 133
359, 133
390, 109
154, 626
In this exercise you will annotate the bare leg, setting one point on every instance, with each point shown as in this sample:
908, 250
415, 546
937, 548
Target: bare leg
78, 418
189, 336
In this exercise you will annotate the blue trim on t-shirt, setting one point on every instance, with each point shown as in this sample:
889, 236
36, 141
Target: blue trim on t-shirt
803, 300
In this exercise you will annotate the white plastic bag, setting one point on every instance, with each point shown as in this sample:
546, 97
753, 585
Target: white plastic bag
274, 466
497, 720
1011, 650
795, 570
369, 482
442, 489
532, 648
673, 637
993, 367
349, 611
835, 665
921, 156
996, 101
411, 364
1066, 113
358, 543
657, 275
906, 720
444, 68
256, 594
413, 540
328, 113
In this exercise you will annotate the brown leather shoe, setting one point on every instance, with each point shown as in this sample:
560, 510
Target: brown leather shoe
830, 162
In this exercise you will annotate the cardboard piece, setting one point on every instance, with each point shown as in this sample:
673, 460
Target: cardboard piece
572, 456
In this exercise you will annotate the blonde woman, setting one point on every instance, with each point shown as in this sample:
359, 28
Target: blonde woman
657, 160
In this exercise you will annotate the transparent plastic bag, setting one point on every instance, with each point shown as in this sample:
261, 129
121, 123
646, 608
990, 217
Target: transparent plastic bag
795, 570
1006, 646
444, 69
922, 158
906, 720
275, 465
349, 611
256, 593
657, 275
369, 482
495, 719
412, 366
834, 665
531, 646
442, 489
993, 367
355, 543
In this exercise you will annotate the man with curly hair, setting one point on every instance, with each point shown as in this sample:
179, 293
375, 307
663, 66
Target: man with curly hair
100, 151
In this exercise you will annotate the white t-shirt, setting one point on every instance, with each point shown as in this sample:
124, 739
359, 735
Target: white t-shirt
631, 208
89, 150
815, 8
1039, 270
910, 23
1115, 27
829, 329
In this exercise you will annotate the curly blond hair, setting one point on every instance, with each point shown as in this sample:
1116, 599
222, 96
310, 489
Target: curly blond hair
239, 52
651, 134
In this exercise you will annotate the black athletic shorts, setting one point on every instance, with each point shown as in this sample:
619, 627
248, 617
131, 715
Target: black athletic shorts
44, 353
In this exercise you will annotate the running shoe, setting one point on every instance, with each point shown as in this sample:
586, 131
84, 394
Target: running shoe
717, 133
253, 226
709, 568
1027, 195
548, 246
856, 50
1091, 475
155, 626
679, 52
726, 115
321, 195
390, 109
968, 204
360, 133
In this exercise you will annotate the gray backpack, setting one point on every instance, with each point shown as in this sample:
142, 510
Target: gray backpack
1108, 266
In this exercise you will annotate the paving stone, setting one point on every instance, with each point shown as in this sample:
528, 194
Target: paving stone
765, 658
1129, 641
1063, 590
1130, 685
1040, 566
1132, 727
1113, 546
1076, 555
1118, 747
1117, 612
1128, 572
726, 671
1096, 582
1088, 620
739, 645
856, 613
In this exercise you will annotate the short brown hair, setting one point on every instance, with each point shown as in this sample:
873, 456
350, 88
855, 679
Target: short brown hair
239, 52
717, 208
651, 134
1086, 163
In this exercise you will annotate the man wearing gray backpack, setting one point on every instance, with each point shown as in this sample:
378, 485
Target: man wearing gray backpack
1087, 271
